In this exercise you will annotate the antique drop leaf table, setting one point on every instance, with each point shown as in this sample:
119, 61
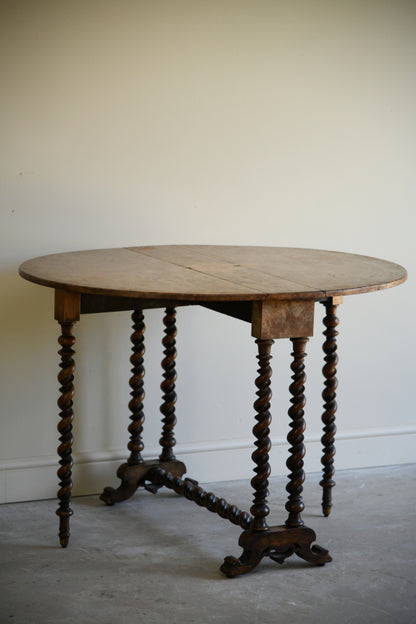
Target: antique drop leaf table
273, 289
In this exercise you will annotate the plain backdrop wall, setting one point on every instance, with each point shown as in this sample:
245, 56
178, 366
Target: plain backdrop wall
252, 122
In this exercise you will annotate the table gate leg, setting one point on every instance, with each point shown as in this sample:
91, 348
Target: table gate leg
330, 405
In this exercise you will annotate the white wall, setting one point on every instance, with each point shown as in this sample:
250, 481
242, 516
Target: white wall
229, 122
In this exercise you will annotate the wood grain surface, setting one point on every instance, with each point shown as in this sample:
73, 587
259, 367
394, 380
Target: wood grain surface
213, 273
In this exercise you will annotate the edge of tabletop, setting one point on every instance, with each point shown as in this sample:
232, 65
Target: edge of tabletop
248, 294
172, 296
311, 292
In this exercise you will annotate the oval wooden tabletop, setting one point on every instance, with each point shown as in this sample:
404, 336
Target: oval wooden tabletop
213, 273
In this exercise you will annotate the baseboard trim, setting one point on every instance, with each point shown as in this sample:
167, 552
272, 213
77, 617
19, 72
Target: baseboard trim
24, 479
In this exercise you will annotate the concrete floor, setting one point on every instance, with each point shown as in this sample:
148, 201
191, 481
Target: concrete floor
155, 559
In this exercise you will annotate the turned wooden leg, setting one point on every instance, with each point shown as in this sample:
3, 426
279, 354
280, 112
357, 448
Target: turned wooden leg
301, 544
167, 460
261, 432
129, 479
135, 428
301, 537
167, 441
330, 405
250, 540
277, 542
65, 379
135, 472
295, 438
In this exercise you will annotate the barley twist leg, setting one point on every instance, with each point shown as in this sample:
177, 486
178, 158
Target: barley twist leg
255, 541
261, 432
130, 478
167, 441
295, 504
66, 389
330, 405
135, 428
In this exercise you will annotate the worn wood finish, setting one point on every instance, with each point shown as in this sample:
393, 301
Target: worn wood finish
213, 273
282, 319
66, 415
330, 405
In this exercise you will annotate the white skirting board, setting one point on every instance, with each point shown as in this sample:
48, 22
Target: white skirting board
35, 478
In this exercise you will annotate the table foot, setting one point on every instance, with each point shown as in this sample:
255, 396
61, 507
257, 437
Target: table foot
326, 499
135, 475
278, 543
64, 533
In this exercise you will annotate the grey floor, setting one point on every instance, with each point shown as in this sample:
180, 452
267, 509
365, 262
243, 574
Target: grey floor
155, 559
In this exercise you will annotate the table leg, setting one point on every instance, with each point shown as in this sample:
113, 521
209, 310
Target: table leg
167, 459
261, 431
65, 379
135, 428
277, 542
167, 441
129, 478
133, 474
330, 405
295, 504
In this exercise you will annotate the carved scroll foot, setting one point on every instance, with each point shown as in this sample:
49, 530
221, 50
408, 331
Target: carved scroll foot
133, 476
278, 543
